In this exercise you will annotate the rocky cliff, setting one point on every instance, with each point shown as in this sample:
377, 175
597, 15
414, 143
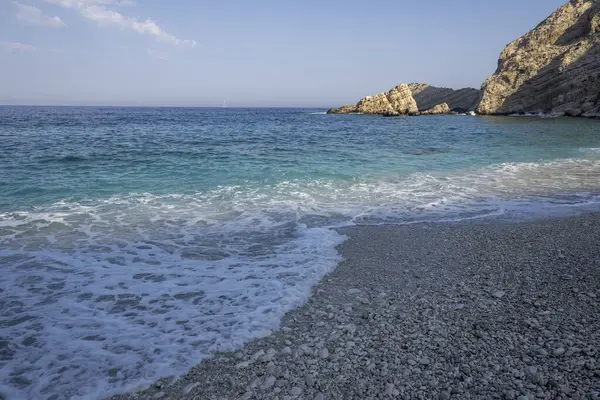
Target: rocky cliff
412, 99
554, 68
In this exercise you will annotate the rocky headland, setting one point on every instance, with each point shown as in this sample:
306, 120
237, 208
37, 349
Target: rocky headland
414, 99
553, 69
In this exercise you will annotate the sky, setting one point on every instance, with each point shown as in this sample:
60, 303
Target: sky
249, 53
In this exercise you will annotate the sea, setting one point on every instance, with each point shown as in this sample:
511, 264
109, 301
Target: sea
135, 242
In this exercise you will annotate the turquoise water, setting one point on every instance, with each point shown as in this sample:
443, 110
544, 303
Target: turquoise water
135, 241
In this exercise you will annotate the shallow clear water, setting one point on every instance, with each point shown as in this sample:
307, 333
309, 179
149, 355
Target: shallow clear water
133, 242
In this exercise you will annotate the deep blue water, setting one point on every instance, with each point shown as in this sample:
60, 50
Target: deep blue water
134, 241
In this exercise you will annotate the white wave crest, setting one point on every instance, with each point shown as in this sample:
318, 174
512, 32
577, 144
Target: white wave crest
101, 295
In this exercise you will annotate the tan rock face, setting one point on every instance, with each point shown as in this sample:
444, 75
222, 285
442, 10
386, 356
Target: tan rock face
554, 68
402, 101
378, 104
437, 110
410, 99
398, 101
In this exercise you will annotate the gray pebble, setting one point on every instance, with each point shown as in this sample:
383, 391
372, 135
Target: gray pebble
424, 361
389, 389
296, 391
268, 383
324, 353
558, 351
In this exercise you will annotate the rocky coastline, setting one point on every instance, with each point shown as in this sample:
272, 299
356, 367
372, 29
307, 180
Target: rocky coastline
552, 70
414, 99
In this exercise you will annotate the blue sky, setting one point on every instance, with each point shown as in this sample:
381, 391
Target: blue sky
248, 52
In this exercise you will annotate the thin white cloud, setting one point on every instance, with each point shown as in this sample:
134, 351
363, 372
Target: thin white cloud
30, 15
158, 54
75, 3
17, 47
96, 10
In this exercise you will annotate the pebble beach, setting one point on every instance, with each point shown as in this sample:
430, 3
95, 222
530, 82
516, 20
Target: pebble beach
471, 310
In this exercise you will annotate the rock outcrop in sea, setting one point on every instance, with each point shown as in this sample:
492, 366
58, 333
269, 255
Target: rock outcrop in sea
461, 100
398, 101
414, 99
438, 109
553, 69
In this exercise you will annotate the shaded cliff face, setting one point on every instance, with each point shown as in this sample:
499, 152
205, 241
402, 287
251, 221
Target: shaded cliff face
412, 99
428, 97
554, 68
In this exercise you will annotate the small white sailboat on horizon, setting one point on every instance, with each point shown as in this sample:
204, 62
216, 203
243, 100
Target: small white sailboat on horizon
224, 105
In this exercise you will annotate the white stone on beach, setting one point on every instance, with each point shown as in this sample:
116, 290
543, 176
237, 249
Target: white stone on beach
499, 294
243, 364
190, 387
247, 396
354, 291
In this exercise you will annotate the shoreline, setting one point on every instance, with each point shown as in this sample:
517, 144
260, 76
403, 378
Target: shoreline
453, 113
475, 309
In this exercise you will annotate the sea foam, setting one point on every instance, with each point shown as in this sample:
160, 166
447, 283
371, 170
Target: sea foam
98, 298
103, 295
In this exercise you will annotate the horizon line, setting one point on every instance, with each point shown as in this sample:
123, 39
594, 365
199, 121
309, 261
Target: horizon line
151, 106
